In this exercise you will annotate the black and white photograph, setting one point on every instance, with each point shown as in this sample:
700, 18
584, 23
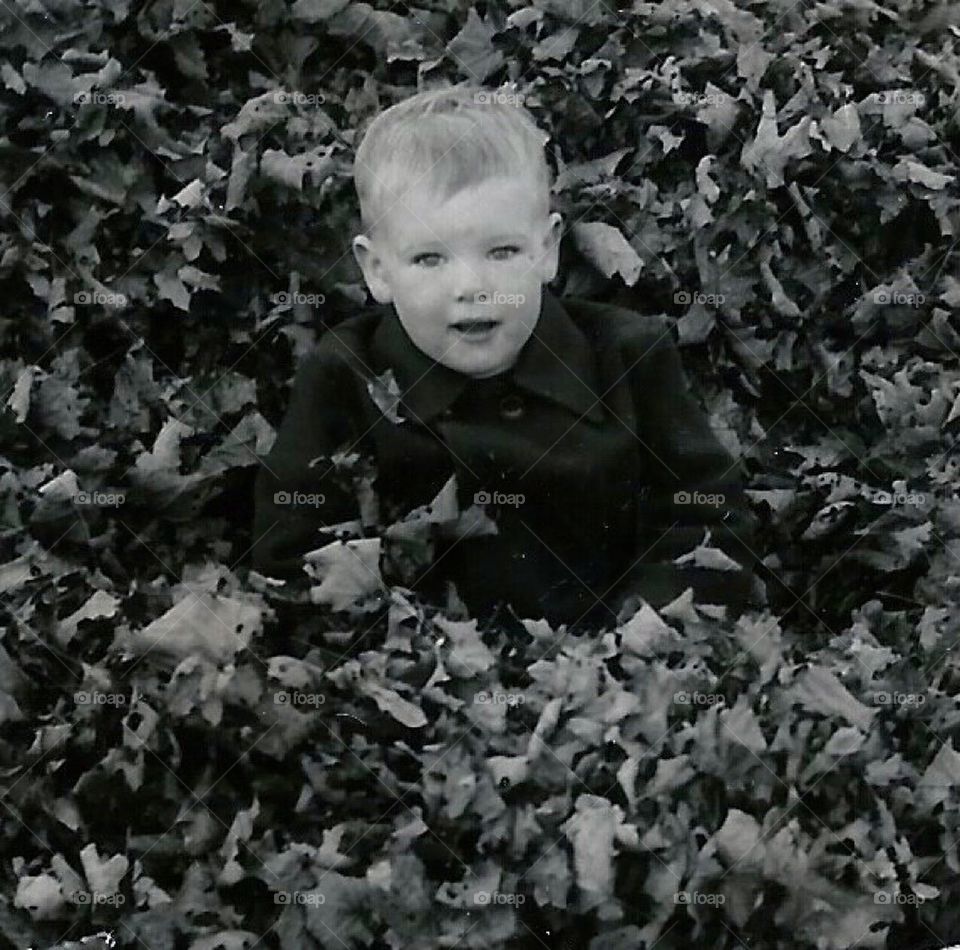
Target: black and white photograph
479, 475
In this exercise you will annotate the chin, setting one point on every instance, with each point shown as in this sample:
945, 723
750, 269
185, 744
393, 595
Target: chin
477, 369
474, 369
483, 372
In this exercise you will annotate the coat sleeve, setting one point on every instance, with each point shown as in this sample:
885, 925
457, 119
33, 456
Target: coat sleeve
694, 485
316, 425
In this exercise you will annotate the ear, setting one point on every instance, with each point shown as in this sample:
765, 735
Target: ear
372, 266
550, 250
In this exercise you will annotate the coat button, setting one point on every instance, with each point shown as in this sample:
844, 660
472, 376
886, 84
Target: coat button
511, 406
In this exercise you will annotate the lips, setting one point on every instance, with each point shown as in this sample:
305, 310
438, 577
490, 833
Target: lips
475, 325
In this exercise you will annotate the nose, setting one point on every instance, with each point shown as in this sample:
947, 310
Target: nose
467, 281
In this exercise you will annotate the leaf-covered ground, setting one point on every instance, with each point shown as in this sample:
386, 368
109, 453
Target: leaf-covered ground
191, 758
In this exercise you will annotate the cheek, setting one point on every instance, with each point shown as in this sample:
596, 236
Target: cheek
524, 273
417, 289
521, 333
423, 282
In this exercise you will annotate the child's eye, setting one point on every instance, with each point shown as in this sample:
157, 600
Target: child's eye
507, 247
420, 257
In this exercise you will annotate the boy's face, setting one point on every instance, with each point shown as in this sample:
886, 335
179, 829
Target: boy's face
481, 256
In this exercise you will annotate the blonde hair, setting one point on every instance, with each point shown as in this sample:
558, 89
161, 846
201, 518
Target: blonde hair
451, 138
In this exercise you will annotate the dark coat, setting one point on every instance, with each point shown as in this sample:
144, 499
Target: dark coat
594, 426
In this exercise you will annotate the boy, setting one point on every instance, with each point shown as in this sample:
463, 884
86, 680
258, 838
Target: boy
569, 421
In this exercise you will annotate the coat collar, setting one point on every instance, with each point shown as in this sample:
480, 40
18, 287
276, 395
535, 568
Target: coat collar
557, 362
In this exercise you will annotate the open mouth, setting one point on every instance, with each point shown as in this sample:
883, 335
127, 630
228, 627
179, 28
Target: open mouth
477, 328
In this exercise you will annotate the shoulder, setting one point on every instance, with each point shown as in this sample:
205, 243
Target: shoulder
344, 346
614, 327
352, 335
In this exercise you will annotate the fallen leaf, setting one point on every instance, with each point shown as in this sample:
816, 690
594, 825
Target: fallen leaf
103, 876
467, 654
842, 128
592, 830
608, 250
100, 604
41, 897
348, 571
819, 691
738, 837
646, 634
907, 170
226, 940
385, 393
390, 701
206, 625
